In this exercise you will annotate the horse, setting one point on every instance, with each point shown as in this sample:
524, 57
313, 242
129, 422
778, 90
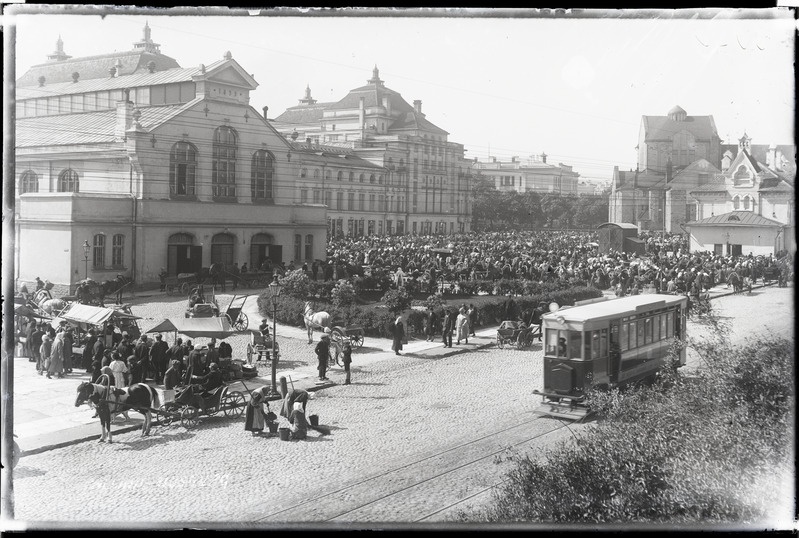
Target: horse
138, 397
314, 320
735, 281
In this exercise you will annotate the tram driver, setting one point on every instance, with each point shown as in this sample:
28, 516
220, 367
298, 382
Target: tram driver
562, 347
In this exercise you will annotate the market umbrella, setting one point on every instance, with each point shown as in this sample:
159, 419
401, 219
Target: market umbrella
196, 327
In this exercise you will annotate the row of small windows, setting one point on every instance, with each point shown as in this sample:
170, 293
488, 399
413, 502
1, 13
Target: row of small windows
375, 203
117, 251
340, 176
68, 181
736, 203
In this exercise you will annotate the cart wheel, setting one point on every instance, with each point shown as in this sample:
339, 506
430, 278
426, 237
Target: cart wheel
241, 322
357, 340
164, 416
233, 403
227, 317
189, 417
500, 343
336, 335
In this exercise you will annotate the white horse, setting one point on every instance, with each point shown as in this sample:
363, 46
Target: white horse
315, 320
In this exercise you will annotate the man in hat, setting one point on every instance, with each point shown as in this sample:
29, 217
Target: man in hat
158, 357
125, 347
322, 350
210, 381
142, 353
212, 355
448, 327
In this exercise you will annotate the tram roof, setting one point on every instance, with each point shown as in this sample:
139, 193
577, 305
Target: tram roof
615, 307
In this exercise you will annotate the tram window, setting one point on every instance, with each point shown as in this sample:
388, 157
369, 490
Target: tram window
594, 345
670, 324
587, 340
603, 343
633, 338
574, 344
663, 331
624, 337
641, 332
648, 331
552, 342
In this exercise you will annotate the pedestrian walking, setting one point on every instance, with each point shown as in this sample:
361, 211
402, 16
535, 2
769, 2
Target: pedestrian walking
346, 359
56, 357
431, 324
398, 332
255, 417
472, 313
462, 326
35, 344
322, 349
158, 358
69, 341
88, 351
44, 355
447, 328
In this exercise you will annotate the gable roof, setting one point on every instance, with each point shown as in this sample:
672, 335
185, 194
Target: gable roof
414, 120
664, 128
735, 218
303, 114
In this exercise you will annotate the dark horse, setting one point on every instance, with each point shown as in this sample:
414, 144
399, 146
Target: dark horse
117, 286
137, 397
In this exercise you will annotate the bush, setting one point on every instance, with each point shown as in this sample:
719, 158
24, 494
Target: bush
434, 302
296, 284
343, 294
705, 449
397, 301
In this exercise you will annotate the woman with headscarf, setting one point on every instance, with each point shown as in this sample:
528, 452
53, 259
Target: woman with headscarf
254, 418
398, 331
299, 424
44, 354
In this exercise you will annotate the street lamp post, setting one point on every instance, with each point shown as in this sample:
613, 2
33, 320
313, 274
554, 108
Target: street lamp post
274, 288
86, 249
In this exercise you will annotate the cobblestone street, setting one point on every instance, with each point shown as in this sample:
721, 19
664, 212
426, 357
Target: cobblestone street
413, 439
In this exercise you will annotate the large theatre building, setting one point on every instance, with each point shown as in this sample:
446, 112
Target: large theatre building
150, 166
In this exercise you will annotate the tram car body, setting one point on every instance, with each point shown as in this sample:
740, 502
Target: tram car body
606, 343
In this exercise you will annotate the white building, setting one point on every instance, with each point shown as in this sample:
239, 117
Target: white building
533, 174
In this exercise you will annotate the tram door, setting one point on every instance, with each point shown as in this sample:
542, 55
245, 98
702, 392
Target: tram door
614, 352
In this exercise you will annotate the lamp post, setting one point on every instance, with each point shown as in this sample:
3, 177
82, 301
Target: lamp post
274, 289
86, 249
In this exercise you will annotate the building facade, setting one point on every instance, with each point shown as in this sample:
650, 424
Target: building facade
426, 178
531, 175
153, 166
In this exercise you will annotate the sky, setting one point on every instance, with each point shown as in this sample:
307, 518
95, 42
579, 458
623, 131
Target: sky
507, 86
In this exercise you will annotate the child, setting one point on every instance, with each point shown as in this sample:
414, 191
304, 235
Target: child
347, 359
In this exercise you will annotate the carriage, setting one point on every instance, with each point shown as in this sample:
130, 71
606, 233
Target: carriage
236, 318
516, 333
182, 283
354, 334
260, 346
199, 306
188, 406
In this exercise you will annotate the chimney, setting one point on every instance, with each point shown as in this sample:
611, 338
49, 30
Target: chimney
266, 109
124, 119
417, 105
151, 66
41, 81
75, 76
513, 159
544, 158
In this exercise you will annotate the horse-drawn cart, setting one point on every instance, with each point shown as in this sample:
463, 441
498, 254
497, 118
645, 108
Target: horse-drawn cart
237, 319
516, 333
354, 334
188, 406
260, 346
182, 283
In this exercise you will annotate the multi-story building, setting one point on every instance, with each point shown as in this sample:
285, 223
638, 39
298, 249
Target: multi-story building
532, 175
128, 163
426, 179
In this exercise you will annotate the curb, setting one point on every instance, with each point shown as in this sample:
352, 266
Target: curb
39, 450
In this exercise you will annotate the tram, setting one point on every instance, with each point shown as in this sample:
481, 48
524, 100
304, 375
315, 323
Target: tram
606, 343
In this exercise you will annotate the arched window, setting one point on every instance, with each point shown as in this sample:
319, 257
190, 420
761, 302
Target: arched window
402, 163
362, 178
340, 175
29, 182
352, 176
328, 175
372, 178
98, 251
223, 165
182, 169
222, 248
263, 167
380, 179
68, 181
309, 247
118, 250
746, 203
304, 172
736, 202
390, 162
259, 249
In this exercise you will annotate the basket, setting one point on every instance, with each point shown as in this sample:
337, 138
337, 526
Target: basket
314, 420
285, 434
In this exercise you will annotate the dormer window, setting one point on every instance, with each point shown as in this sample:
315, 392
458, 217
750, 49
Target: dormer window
733, 218
742, 175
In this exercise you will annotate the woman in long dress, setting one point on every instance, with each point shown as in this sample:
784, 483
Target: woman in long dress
462, 326
399, 335
57, 357
255, 418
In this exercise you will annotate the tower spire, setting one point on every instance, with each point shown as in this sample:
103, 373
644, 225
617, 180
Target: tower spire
147, 44
59, 53
375, 77
307, 100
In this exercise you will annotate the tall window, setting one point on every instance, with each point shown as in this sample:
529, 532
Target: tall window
68, 181
98, 251
362, 178
746, 203
263, 166
339, 200
223, 165
736, 202
182, 169
297, 247
372, 178
118, 250
316, 173
340, 175
361, 201
309, 247
351, 201
29, 182
352, 176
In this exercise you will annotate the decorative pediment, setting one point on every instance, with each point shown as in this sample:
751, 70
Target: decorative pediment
231, 73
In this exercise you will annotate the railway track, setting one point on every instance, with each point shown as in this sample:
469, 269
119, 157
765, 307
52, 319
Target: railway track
425, 489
